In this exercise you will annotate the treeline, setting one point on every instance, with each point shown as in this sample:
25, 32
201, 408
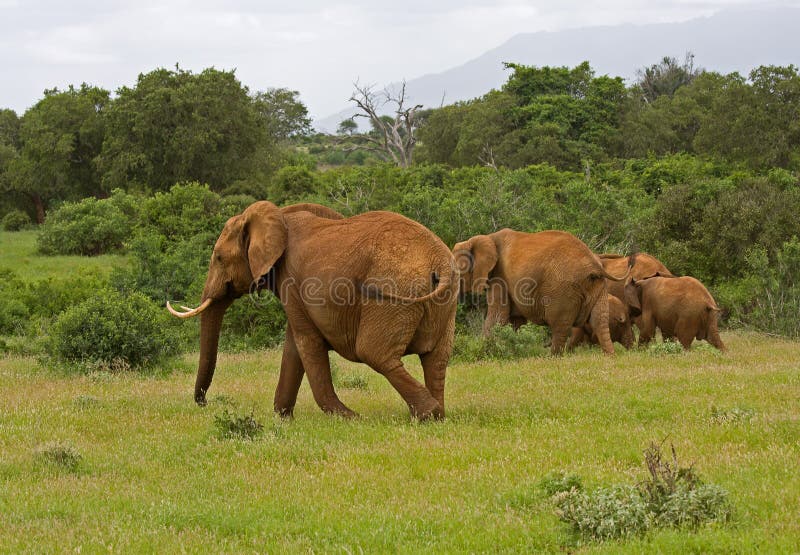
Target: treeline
171, 126
572, 118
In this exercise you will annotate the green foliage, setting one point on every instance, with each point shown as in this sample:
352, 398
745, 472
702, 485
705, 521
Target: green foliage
13, 314
665, 348
235, 426
89, 227
671, 497
58, 141
176, 126
559, 482
502, 343
16, 220
110, 326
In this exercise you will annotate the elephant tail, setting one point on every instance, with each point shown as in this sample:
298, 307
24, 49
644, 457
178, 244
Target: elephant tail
443, 277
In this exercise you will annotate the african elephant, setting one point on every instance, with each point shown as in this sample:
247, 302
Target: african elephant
548, 278
619, 326
372, 287
679, 306
642, 266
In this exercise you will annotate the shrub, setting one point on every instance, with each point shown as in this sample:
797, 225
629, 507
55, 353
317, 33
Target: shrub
672, 496
89, 227
186, 210
606, 513
558, 482
13, 315
16, 220
110, 326
232, 426
665, 348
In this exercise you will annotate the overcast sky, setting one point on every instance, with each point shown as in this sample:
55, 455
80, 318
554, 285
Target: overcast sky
317, 47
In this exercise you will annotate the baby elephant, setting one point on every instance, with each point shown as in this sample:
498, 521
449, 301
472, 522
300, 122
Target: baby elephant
619, 325
681, 307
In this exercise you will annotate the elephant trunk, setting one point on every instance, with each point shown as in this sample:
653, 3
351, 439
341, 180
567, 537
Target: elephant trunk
210, 325
599, 321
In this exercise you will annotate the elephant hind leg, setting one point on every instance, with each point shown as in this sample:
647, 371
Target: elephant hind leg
421, 402
434, 365
314, 356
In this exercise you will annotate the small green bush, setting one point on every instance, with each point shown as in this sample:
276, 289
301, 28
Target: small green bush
89, 227
604, 514
558, 482
13, 315
232, 426
672, 496
61, 456
110, 327
16, 220
502, 343
665, 348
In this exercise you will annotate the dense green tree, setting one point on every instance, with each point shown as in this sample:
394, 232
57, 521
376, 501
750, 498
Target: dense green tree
175, 125
60, 138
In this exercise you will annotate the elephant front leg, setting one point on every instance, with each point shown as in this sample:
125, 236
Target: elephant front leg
290, 377
498, 306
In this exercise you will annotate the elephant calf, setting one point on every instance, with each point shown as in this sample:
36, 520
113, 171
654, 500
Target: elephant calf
373, 288
547, 278
619, 326
681, 307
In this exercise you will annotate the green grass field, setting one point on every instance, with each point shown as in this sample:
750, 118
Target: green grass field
154, 477
18, 253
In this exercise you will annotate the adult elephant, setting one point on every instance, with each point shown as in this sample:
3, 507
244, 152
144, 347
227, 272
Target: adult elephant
548, 278
372, 287
679, 306
619, 326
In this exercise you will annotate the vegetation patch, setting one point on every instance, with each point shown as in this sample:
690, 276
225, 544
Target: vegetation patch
112, 331
731, 416
57, 455
502, 343
237, 426
672, 496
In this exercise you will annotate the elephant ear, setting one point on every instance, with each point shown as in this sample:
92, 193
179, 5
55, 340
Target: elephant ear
484, 253
633, 297
265, 236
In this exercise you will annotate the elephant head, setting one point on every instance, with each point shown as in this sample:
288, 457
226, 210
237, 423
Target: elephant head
248, 247
475, 258
619, 322
633, 297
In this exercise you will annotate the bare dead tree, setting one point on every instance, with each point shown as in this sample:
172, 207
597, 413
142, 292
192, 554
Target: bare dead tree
392, 137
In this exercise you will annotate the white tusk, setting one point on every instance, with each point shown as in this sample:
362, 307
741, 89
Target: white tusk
189, 311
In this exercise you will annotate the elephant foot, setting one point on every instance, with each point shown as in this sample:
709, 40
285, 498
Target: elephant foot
340, 410
430, 409
285, 412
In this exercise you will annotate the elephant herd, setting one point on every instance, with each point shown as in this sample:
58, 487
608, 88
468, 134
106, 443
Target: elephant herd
378, 286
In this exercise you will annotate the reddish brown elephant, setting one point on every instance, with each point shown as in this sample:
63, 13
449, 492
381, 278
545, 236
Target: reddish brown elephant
642, 266
548, 278
619, 326
681, 307
373, 288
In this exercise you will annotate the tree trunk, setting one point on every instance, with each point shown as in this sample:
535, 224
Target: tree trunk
38, 203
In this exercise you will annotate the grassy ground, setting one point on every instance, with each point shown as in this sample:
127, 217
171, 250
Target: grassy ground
153, 476
18, 252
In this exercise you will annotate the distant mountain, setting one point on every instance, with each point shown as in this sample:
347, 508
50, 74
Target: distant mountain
731, 40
